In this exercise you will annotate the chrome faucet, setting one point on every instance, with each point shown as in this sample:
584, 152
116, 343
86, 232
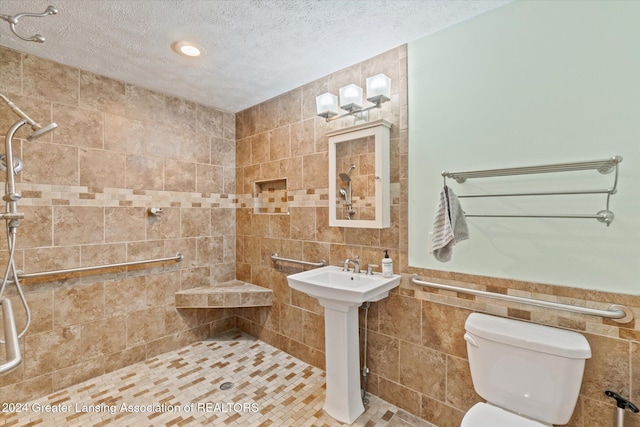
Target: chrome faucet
355, 262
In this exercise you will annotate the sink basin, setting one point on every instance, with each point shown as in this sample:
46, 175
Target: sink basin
331, 283
341, 293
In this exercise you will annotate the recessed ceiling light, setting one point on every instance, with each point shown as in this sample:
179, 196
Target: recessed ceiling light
186, 48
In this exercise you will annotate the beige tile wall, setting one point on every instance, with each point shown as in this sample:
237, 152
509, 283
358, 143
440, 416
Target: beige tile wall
119, 149
417, 355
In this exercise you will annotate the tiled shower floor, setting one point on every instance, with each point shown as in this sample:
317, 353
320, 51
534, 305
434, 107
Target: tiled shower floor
182, 388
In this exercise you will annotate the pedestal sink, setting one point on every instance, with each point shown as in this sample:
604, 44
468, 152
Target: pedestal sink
341, 293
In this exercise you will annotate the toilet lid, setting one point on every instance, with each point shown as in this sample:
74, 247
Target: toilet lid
483, 414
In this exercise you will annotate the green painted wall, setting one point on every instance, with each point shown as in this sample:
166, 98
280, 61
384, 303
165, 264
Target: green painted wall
533, 82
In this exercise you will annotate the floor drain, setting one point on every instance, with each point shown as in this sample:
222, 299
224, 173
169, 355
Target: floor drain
226, 386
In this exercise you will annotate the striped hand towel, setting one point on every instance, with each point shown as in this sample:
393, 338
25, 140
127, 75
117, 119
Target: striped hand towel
449, 226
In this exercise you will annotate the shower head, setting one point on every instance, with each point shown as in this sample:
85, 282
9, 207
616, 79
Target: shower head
38, 130
41, 130
346, 177
342, 191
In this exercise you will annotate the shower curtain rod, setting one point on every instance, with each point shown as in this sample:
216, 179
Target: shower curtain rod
179, 257
616, 312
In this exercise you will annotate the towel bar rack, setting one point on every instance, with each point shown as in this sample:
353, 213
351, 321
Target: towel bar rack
541, 193
275, 257
602, 216
177, 258
616, 312
603, 166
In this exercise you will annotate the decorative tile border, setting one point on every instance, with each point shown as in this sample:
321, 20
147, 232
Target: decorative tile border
34, 195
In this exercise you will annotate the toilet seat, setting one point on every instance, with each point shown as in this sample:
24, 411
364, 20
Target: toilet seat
484, 414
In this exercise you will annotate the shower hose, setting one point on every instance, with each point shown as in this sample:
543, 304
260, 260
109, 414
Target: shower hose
11, 273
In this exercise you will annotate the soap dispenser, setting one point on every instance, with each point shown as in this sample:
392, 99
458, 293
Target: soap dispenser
387, 265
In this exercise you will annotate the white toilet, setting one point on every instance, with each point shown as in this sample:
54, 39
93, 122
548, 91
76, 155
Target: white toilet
529, 374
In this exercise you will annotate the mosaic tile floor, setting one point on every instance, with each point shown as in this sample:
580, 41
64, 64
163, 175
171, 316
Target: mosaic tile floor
182, 388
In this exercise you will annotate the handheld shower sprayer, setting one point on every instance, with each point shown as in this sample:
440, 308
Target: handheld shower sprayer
13, 21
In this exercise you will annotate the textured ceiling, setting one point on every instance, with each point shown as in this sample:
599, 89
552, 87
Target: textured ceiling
253, 49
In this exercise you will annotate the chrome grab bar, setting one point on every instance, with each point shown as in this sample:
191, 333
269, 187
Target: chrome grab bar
275, 257
179, 257
616, 312
12, 345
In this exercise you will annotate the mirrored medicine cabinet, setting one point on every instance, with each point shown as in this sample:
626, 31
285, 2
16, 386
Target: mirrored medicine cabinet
359, 188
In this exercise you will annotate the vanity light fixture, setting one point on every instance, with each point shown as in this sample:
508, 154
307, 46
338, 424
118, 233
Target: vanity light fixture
378, 92
185, 48
327, 105
351, 97
378, 88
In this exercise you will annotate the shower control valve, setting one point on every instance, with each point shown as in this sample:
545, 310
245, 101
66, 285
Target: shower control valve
155, 211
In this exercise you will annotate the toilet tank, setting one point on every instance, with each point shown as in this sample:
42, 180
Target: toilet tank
529, 369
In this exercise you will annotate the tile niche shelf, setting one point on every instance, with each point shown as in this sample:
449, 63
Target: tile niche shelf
270, 197
233, 293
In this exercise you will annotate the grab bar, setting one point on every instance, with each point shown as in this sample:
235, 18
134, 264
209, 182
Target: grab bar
12, 345
179, 257
275, 257
616, 312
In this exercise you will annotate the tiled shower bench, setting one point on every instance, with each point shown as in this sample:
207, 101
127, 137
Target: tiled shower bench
233, 293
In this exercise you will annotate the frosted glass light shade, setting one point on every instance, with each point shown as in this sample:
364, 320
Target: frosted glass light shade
327, 105
351, 97
378, 88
